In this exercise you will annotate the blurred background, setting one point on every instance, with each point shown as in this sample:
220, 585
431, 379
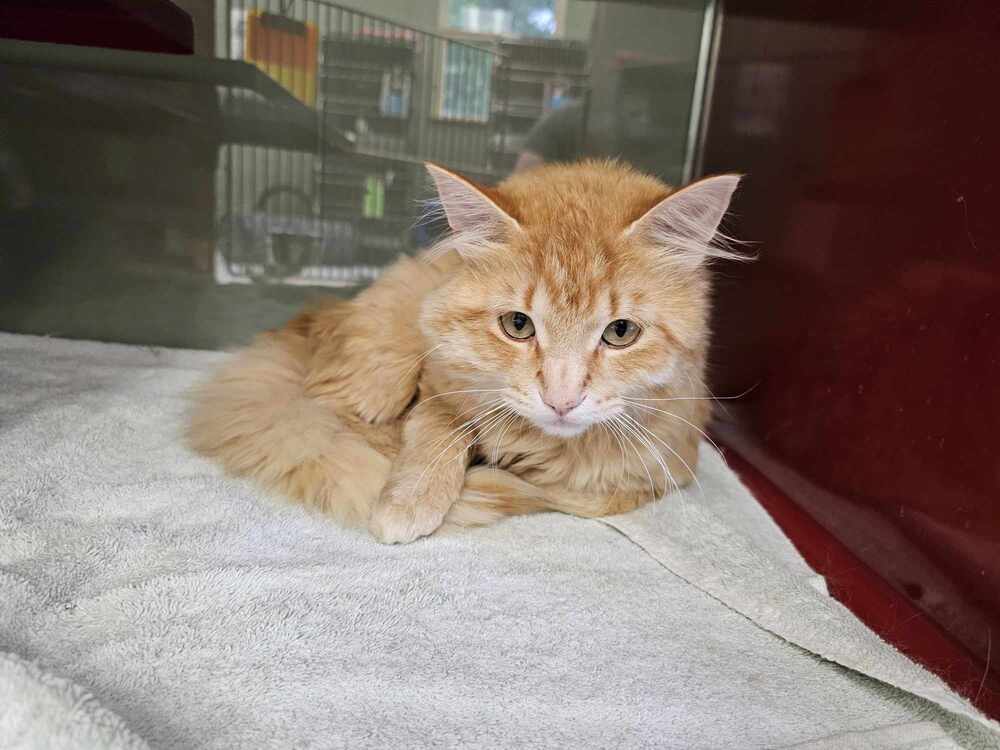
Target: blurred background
189, 173
195, 170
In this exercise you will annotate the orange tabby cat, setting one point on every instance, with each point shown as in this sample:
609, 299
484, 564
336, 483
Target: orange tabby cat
549, 355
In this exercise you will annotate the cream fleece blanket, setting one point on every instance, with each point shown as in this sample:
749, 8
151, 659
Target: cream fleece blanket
147, 600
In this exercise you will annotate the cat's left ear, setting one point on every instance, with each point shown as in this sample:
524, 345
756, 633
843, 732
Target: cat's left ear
470, 209
686, 222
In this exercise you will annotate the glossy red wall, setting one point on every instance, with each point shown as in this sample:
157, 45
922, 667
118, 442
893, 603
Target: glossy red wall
869, 328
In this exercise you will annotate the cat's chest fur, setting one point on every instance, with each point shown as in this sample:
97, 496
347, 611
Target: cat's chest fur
599, 460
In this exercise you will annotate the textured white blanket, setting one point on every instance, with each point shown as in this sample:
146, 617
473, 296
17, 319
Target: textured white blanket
145, 598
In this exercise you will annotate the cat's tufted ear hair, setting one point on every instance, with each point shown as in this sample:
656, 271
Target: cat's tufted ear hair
475, 216
685, 224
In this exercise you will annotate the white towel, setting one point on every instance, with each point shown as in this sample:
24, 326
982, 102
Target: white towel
201, 612
43, 711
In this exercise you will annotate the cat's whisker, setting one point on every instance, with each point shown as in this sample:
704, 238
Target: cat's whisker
463, 425
491, 402
646, 433
496, 447
469, 427
677, 455
654, 493
680, 497
682, 419
453, 393
463, 430
621, 425
416, 362
610, 428
698, 383
696, 398
484, 427
503, 413
470, 423
638, 430
481, 423
606, 430
688, 398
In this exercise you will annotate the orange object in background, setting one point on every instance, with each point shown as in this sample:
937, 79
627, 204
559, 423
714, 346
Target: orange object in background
284, 49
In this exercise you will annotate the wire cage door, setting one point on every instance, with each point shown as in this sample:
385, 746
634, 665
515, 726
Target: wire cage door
322, 184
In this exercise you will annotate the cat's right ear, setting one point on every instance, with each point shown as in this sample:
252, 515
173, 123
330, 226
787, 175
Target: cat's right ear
469, 209
685, 224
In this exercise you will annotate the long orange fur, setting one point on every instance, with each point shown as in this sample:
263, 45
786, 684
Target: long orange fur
408, 407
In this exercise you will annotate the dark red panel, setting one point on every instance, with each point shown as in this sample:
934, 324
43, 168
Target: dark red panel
870, 326
891, 614
141, 25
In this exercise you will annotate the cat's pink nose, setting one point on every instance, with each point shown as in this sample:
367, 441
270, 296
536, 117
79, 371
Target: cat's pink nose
563, 406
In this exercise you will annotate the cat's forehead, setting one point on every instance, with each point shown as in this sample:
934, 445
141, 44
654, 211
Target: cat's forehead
567, 301
576, 287
571, 276
578, 272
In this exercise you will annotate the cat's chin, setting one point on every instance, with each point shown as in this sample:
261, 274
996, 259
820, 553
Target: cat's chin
562, 429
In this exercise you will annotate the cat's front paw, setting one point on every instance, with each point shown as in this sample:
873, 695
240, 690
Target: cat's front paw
403, 522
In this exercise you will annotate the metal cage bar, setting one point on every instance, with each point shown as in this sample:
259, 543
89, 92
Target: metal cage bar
335, 200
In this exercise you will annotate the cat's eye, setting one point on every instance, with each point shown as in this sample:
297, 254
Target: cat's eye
517, 325
621, 333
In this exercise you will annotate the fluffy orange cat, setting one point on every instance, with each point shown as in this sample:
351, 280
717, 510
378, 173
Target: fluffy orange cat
548, 355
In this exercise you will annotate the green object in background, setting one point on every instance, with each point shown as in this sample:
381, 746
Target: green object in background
373, 206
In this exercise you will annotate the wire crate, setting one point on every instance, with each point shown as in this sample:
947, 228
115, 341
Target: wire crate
322, 184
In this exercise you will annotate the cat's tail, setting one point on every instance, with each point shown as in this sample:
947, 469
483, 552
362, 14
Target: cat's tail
254, 417
490, 494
